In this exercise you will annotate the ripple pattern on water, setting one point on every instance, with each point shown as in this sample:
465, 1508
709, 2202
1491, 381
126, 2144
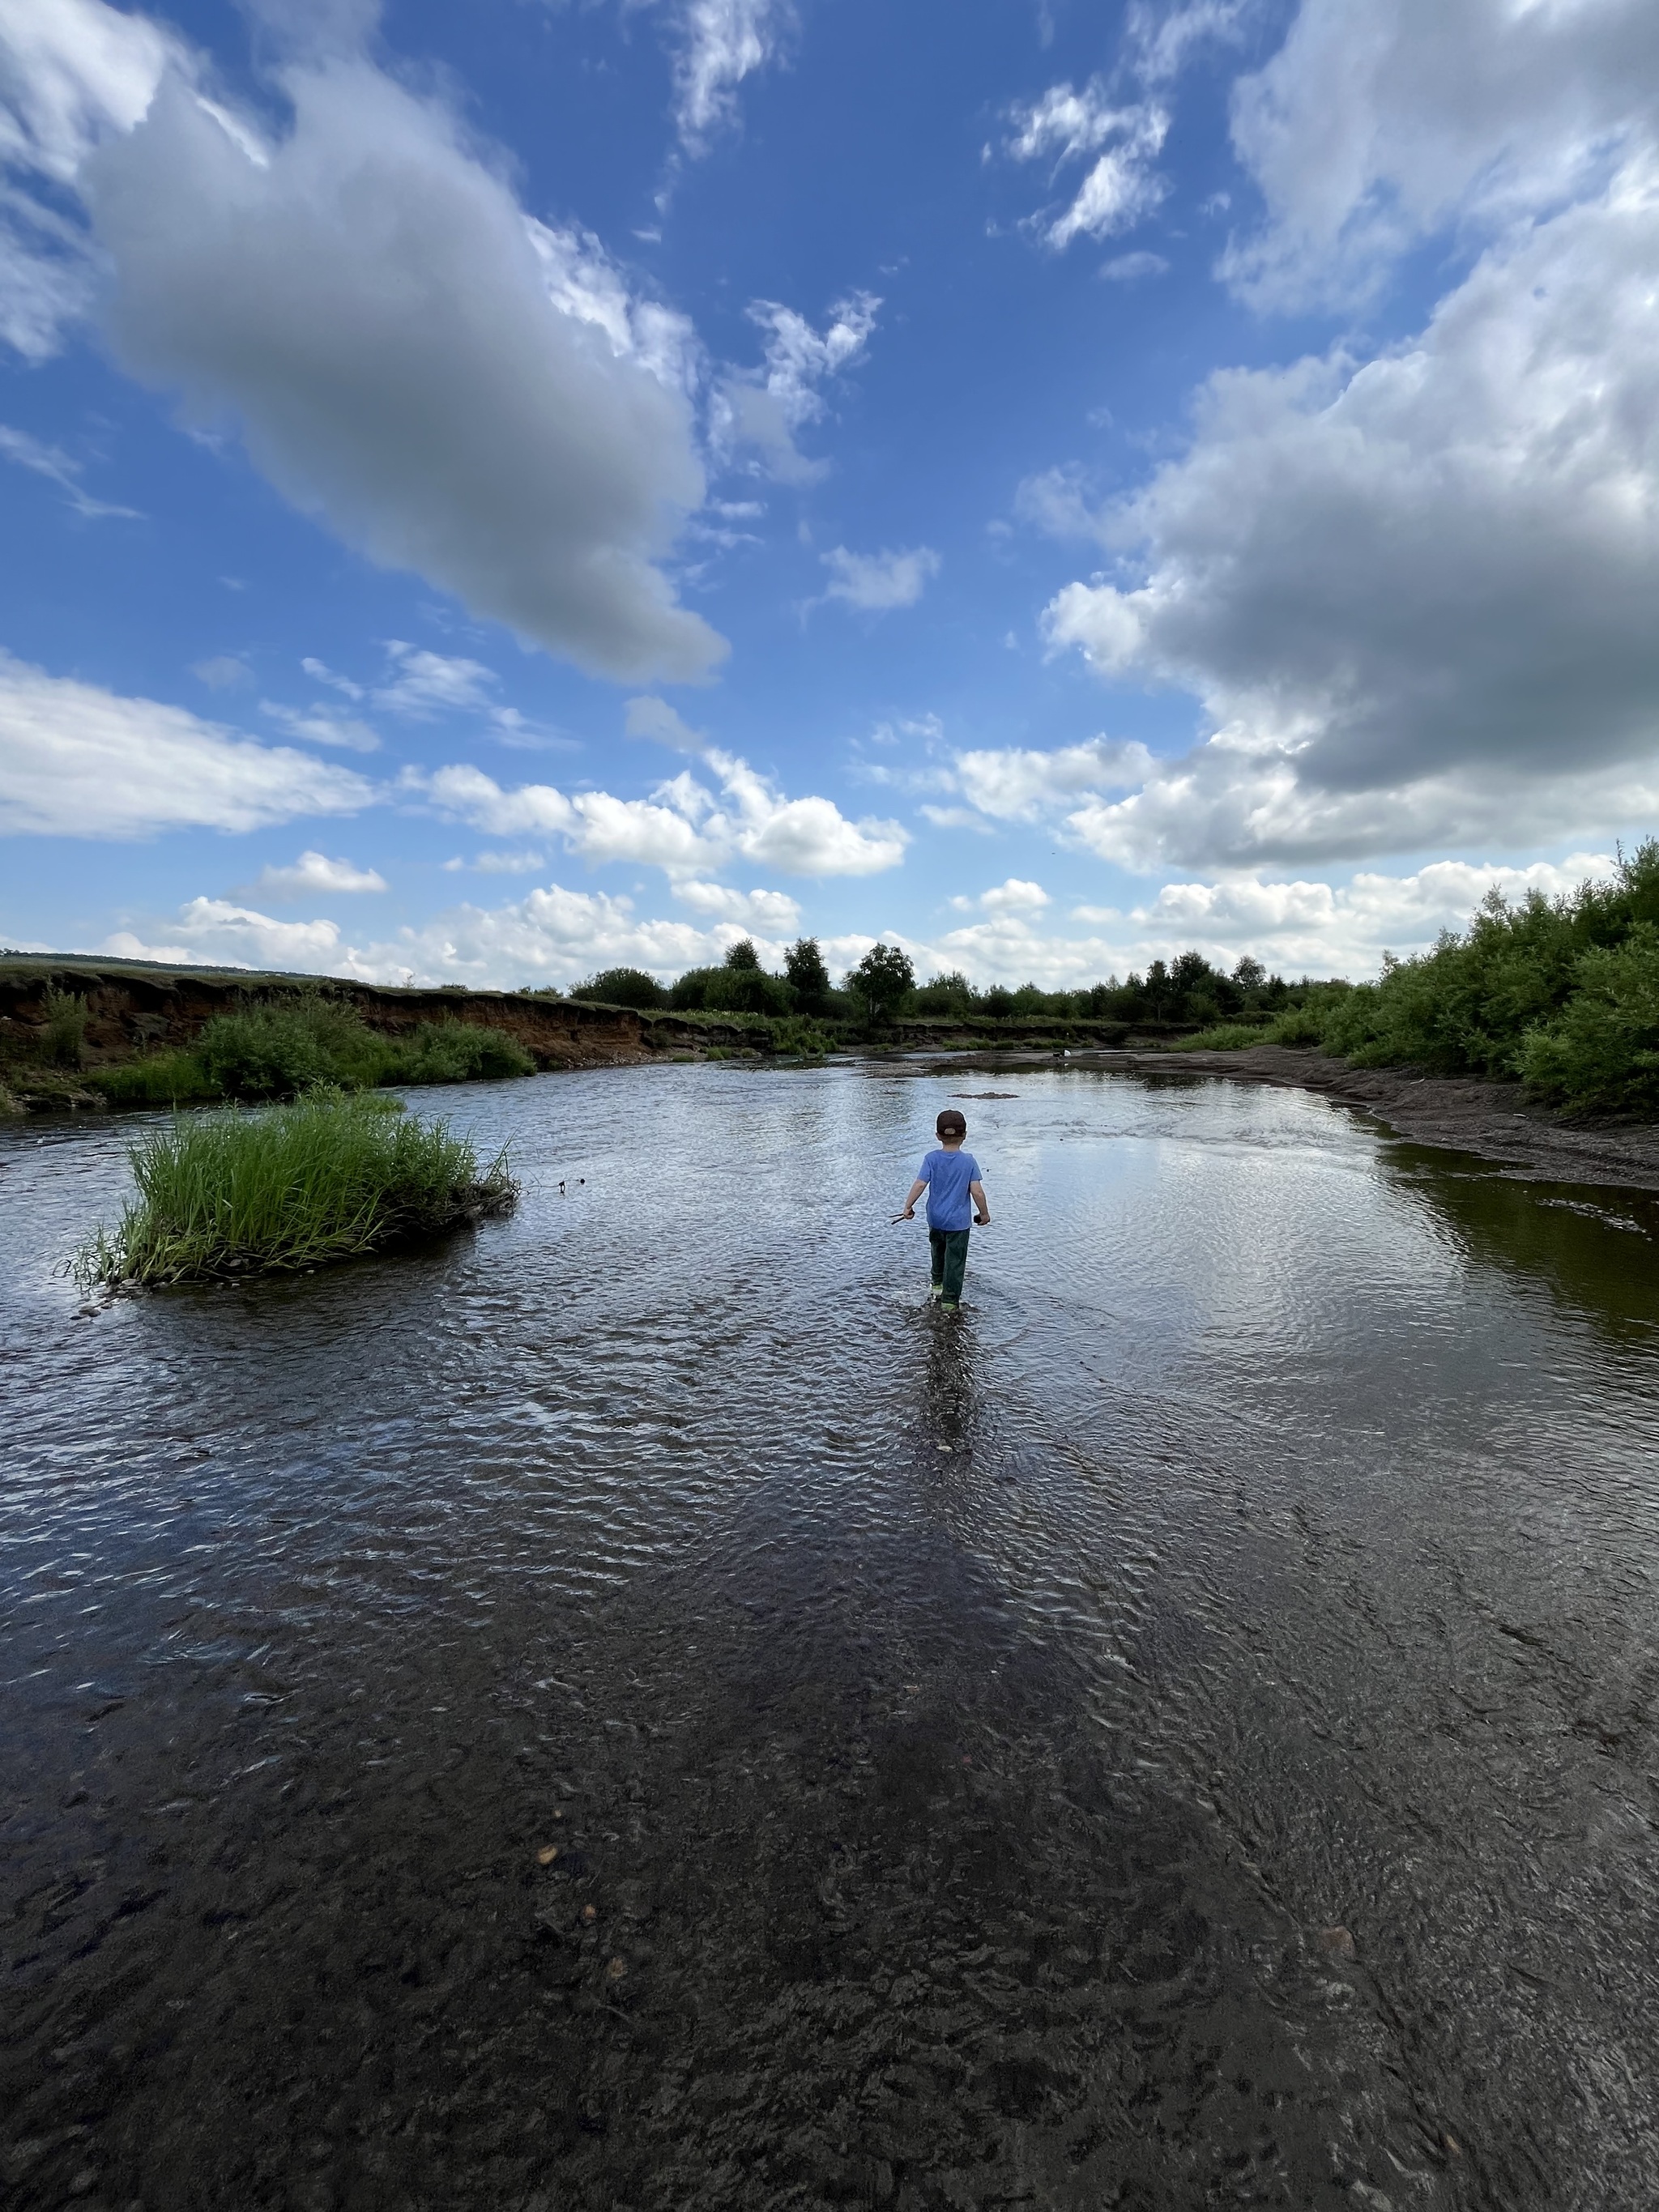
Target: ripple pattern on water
951, 1740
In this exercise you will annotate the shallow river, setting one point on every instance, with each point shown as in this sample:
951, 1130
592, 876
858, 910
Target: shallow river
959, 1740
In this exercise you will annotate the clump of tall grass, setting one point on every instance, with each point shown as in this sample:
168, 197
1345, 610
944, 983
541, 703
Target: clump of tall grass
1226, 1036
1303, 1024
160, 1078
225, 1195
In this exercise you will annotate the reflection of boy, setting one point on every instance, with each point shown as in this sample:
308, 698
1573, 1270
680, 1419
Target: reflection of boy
955, 1195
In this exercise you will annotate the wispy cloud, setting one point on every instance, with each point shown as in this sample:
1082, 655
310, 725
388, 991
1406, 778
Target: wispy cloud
1068, 124
878, 581
722, 42
61, 469
766, 407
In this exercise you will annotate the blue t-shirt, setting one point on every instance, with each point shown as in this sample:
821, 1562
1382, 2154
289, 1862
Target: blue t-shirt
947, 1175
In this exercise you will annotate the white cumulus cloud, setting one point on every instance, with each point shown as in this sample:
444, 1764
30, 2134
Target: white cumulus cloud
316, 873
72, 72
768, 912
683, 827
58, 467
1368, 132
1415, 592
233, 937
552, 935
1020, 784
423, 684
405, 355
77, 761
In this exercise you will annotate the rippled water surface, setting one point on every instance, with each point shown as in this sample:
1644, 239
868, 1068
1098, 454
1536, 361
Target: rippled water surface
957, 1739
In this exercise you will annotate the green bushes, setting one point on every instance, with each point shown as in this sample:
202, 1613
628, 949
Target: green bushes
64, 1035
330, 1178
269, 1052
1601, 1054
622, 987
456, 1052
1563, 993
280, 1050
732, 990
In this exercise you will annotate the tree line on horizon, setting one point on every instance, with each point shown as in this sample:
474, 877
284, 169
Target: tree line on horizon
1560, 994
883, 987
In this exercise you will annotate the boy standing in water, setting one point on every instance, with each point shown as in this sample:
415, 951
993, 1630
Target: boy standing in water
955, 1193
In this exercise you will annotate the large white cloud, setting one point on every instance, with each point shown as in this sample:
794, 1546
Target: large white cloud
682, 827
71, 72
76, 761
451, 388
236, 937
1371, 128
1016, 783
1416, 594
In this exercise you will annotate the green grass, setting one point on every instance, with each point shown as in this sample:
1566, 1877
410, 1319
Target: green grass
163, 1079
1226, 1036
222, 1196
282, 1051
1298, 1025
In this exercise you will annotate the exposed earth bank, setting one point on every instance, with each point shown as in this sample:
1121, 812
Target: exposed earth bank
1467, 1114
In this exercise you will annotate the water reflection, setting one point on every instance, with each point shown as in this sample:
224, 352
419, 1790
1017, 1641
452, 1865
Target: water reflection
1594, 1249
633, 1709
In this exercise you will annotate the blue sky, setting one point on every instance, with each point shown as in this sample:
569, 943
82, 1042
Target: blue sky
493, 492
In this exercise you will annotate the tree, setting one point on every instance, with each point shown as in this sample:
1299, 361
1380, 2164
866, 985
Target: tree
945, 994
998, 1003
1250, 975
622, 987
803, 964
881, 979
743, 954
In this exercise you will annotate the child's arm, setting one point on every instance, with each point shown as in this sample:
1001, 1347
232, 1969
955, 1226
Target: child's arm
982, 1212
916, 1189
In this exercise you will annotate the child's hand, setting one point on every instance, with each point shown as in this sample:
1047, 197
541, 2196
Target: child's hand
982, 1220
909, 1213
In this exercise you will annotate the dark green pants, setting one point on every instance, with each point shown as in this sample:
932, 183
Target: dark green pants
949, 1248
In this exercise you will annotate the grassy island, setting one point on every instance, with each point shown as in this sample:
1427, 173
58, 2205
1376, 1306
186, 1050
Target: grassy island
222, 1196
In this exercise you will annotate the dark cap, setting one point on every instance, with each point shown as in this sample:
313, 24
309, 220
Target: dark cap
951, 1123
